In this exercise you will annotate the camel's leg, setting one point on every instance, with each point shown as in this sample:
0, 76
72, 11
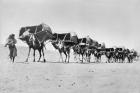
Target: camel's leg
68, 55
89, 57
82, 58
28, 54
108, 60
75, 58
43, 55
39, 55
61, 57
60, 52
100, 59
79, 57
65, 55
34, 56
13, 59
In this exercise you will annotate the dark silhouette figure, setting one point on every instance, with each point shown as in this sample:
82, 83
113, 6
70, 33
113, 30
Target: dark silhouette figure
11, 41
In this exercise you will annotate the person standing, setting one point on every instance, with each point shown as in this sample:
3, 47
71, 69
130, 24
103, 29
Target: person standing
11, 41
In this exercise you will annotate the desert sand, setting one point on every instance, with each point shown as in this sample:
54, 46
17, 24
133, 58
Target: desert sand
57, 77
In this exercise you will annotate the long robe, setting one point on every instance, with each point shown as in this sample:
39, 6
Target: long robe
12, 47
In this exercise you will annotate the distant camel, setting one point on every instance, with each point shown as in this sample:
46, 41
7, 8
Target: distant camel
84, 48
63, 43
62, 48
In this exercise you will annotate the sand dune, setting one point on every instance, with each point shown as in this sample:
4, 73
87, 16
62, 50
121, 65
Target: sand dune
57, 77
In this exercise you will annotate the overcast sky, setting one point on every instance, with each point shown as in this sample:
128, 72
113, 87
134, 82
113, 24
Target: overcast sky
115, 22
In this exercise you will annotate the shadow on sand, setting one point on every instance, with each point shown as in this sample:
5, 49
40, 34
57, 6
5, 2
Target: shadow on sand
56, 62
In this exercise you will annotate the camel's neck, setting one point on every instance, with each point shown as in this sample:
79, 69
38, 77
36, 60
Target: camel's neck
55, 46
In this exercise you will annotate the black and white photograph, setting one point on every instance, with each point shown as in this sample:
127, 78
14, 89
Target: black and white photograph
69, 46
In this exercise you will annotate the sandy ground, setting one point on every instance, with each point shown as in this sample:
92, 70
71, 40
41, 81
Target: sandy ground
57, 77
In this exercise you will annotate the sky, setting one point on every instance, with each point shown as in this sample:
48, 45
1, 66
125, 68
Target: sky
114, 22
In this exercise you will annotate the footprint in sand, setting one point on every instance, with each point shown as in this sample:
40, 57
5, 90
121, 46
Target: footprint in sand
27, 78
73, 83
47, 79
90, 71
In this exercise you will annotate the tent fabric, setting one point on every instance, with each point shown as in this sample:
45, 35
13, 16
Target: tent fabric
43, 36
66, 37
89, 42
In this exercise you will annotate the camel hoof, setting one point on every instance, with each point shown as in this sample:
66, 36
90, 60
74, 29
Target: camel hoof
26, 60
44, 60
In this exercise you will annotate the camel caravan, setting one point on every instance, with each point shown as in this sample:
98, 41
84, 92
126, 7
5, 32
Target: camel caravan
83, 48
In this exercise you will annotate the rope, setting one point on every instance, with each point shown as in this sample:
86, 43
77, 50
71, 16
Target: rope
35, 30
25, 28
31, 37
37, 39
57, 36
82, 40
36, 36
64, 37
